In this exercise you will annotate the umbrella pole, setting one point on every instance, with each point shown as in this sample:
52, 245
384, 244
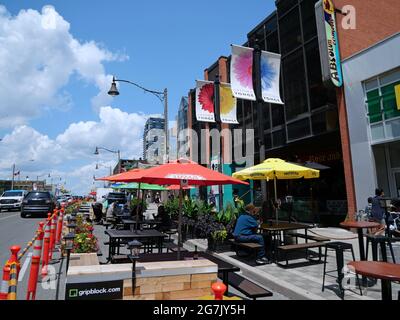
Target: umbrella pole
137, 209
180, 222
276, 201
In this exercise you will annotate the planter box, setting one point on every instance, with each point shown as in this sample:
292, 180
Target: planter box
218, 245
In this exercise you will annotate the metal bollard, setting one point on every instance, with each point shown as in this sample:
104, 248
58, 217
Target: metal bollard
219, 289
33, 276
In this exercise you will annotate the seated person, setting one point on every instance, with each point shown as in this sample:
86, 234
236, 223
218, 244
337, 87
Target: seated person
246, 231
125, 213
163, 216
97, 211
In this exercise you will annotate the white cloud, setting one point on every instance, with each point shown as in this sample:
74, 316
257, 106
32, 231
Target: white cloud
115, 130
38, 55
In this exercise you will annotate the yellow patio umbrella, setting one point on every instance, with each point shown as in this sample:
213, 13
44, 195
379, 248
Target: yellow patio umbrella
273, 169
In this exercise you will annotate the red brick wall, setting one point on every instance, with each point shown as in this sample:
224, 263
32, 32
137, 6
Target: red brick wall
375, 21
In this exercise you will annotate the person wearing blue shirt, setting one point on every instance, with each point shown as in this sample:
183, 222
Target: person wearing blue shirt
377, 212
246, 231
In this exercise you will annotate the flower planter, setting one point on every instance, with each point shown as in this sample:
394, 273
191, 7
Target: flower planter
218, 245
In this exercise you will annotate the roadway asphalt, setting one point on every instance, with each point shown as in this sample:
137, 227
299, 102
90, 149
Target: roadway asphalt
15, 230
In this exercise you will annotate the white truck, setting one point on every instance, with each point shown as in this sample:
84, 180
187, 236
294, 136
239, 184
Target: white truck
100, 192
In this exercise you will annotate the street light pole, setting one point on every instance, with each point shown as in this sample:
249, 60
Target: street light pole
219, 125
13, 175
162, 96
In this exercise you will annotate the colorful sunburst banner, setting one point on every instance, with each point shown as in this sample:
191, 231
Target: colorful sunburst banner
205, 101
242, 73
228, 104
270, 71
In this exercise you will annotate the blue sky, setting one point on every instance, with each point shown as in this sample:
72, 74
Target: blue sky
157, 44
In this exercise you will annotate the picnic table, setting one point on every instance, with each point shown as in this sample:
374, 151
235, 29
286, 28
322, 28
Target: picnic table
141, 235
275, 230
130, 222
223, 267
385, 271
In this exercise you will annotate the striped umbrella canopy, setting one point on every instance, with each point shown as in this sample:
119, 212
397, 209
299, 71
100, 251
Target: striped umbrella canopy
143, 186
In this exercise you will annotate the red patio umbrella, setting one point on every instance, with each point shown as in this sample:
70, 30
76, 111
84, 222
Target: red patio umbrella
122, 177
183, 172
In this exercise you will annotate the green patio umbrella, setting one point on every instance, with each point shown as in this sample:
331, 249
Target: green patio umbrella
143, 186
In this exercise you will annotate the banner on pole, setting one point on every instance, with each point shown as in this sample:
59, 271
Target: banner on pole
242, 73
270, 71
227, 106
205, 101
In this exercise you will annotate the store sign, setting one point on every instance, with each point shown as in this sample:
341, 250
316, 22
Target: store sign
109, 290
328, 42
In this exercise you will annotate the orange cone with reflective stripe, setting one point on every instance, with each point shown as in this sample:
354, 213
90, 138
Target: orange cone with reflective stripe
46, 248
4, 282
53, 226
60, 225
14, 257
33, 276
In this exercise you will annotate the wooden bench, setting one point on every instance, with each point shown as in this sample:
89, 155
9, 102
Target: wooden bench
247, 287
249, 246
302, 246
170, 246
120, 258
308, 237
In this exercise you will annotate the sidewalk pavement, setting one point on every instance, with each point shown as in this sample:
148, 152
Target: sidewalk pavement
303, 280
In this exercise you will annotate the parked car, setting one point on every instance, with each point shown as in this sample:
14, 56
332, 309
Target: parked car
12, 199
118, 197
38, 203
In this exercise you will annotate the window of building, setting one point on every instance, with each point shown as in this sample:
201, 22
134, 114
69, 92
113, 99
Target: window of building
284, 6
278, 138
319, 94
299, 129
308, 17
295, 85
278, 116
381, 106
266, 116
290, 32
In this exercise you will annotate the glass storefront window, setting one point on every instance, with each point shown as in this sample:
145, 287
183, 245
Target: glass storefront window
290, 32
374, 106
284, 6
308, 17
389, 101
278, 138
278, 117
299, 129
381, 105
394, 151
295, 85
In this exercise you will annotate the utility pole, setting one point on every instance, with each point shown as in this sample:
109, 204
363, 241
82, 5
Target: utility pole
219, 126
13, 175
166, 124
259, 102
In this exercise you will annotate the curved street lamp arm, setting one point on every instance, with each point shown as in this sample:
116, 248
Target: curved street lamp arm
102, 148
158, 94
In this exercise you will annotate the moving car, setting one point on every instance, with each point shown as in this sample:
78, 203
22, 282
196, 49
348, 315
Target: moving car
38, 203
12, 199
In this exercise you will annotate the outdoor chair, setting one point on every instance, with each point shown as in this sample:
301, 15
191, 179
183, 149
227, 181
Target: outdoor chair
380, 240
339, 248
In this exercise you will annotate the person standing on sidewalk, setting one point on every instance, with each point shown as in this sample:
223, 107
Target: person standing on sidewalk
246, 231
377, 212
